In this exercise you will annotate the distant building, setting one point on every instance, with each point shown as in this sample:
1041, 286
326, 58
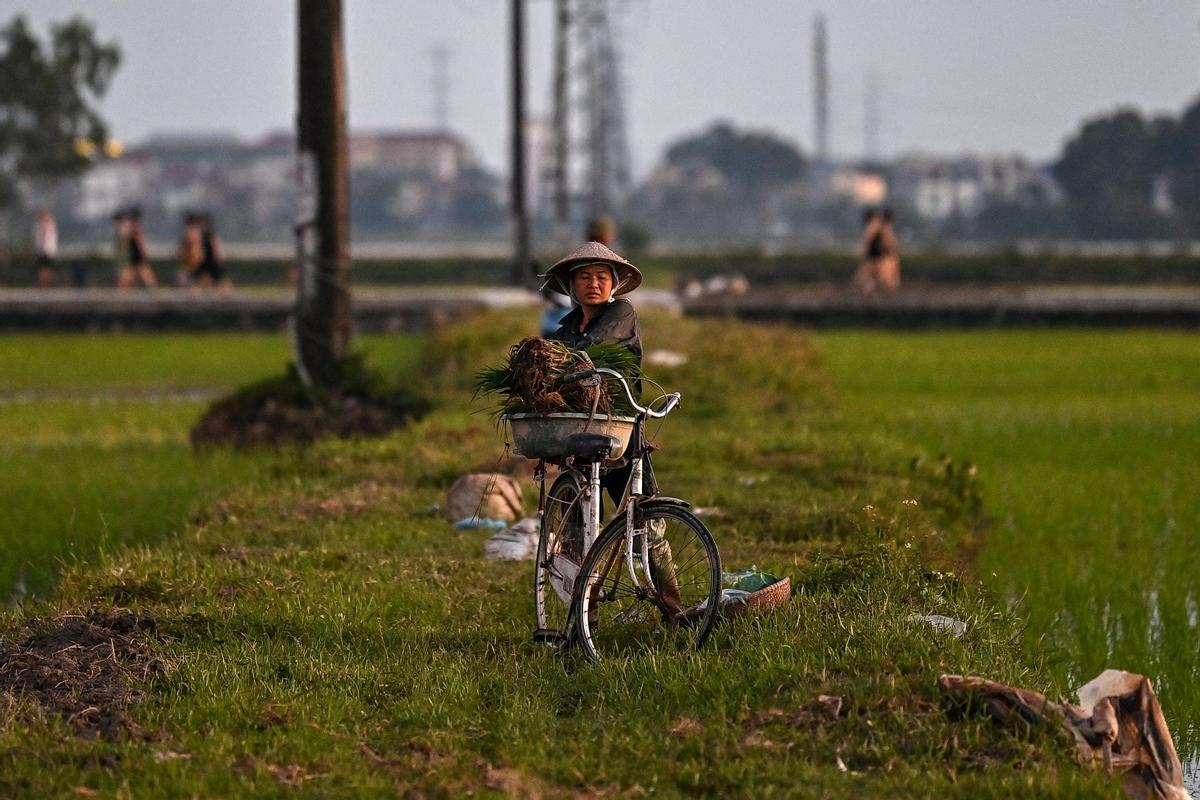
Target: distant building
108, 186
437, 157
938, 188
402, 182
862, 188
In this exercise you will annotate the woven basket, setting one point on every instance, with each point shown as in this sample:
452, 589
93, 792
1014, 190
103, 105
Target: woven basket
763, 601
770, 597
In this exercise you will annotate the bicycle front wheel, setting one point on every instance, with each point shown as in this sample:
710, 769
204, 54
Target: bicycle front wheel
668, 603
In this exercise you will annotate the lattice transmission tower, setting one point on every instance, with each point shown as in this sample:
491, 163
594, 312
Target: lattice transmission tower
589, 172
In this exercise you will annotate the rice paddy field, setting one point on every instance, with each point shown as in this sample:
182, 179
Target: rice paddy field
93, 440
313, 627
321, 632
1086, 445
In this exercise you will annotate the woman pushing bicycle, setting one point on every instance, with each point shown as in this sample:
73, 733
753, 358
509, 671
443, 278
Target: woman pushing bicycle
592, 277
650, 576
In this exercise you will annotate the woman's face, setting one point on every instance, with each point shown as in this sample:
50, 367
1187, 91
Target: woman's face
593, 284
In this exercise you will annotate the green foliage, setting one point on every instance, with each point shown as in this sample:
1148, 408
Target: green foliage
1109, 169
48, 98
1181, 154
93, 439
357, 380
502, 381
722, 179
1086, 444
96, 459
754, 161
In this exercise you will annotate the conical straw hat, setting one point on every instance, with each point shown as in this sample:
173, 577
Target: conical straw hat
558, 277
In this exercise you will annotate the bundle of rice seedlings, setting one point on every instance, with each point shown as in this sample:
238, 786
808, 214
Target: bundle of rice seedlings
529, 380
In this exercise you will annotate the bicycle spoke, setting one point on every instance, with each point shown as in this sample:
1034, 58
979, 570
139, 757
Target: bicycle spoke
619, 615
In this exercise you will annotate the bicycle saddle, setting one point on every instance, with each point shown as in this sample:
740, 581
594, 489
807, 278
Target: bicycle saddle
590, 446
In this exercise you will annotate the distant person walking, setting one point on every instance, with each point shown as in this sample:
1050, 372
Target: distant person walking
120, 220
211, 272
137, 267
889, 259
191, 253
45, 248
866, 277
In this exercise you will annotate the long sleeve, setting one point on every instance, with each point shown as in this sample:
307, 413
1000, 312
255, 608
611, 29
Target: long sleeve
619, 325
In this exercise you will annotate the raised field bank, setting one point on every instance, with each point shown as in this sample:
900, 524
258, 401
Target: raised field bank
315, 628
1004, 267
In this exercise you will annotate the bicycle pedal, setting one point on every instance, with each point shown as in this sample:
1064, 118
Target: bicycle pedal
549, 637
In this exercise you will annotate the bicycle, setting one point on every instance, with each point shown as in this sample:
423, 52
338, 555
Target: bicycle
650, 578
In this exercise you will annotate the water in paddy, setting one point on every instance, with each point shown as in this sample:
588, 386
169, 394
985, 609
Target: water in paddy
1088, 447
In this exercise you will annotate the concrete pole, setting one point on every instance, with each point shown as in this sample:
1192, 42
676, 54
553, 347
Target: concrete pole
520, 213
322, 328
562, 153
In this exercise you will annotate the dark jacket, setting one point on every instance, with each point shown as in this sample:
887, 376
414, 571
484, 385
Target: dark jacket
617, 323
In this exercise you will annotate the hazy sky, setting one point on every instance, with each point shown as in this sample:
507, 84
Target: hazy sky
955, 75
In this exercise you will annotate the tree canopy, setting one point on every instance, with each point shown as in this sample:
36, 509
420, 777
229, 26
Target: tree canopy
752, 160
1129, 176
49, 93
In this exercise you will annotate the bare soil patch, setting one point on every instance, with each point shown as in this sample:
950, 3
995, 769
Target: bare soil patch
283, 411
274, 423
86, 669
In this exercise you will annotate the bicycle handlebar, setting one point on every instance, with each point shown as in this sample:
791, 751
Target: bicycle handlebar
672, 399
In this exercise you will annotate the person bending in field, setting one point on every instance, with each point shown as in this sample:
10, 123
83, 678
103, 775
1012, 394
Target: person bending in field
592, 277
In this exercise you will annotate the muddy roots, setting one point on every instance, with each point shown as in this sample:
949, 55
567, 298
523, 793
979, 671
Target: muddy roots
537, 366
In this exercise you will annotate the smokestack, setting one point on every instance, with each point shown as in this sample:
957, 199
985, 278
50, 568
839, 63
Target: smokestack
820, 88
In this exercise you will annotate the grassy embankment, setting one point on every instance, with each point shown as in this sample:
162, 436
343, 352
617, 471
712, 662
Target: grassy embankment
325, 634
1002, 267
93, 439
1087, 443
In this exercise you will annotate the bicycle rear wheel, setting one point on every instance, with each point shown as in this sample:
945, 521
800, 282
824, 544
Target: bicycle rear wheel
559, 553
619, 615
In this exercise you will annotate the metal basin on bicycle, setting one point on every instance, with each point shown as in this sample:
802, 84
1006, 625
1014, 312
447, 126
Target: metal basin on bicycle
545, 436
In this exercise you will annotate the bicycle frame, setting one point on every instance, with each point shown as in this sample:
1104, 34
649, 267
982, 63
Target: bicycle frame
592, 498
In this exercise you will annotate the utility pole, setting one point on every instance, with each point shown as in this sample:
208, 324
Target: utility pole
322, 322
561, 187
521, 258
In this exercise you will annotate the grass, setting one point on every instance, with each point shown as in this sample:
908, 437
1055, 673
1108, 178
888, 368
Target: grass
93, 439
1086, 443
112, 363
326, 634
